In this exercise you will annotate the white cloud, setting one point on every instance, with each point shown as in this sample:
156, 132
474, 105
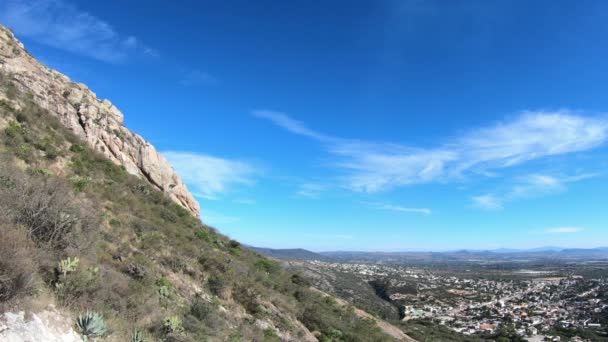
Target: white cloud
531, 136
372, 166
310, 190
61, 24
563, 230
392, 207
536, 185
529, 186
210, 177
487, 201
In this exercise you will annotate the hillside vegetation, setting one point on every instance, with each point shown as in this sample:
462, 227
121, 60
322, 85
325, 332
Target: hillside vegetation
79, 231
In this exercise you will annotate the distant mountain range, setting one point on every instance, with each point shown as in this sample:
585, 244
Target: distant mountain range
289, 254
548, 253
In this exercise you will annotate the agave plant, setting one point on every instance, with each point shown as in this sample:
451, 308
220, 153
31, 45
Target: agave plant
91, 324
138, 336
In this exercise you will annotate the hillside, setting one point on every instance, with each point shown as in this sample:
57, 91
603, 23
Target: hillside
289, 253
84, 228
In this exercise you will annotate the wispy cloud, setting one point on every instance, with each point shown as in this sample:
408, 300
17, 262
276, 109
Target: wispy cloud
377, 166
61, 24
563, 230
536, 185
398, 208
487, 201
529, 186
310, 190
208, 176
292, 125
197, 77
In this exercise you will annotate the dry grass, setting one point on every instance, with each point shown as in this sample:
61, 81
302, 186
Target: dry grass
18, 262
47, 209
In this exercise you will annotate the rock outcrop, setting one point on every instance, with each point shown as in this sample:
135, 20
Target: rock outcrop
48, 325
97, 121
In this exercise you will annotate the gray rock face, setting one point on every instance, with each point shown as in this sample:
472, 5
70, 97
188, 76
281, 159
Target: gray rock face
97, 121
48, 325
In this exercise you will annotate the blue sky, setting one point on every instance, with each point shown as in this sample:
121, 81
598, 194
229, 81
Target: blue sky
358, 125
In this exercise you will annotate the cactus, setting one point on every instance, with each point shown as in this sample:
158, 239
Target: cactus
138, 336
173, 324
164, 289
91, 324
164, 292
68, 265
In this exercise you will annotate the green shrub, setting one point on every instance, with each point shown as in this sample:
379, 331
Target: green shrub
173, 324
142, 189
202, 234
201, 309
24, 152
80, 182
21, 118
175, 263
162, 281
217, 286
235, 247
40, 172
80, 285
50, 151
270, 335
15, 130
152, 240
248, 298
335, 334
267, 266
164, 289
299, 280
168, 216
91, 324
77, 148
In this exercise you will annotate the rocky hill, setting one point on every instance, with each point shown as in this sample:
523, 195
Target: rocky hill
89, 249
96, 121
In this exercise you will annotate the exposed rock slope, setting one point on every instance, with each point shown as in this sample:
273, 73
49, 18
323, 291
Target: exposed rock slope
97, 121
48, 325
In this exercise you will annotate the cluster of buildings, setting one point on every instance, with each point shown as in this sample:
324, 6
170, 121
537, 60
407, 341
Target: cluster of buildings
533, 306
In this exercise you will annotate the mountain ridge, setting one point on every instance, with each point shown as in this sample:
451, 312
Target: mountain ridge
289, 253
99, 122
557, 253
